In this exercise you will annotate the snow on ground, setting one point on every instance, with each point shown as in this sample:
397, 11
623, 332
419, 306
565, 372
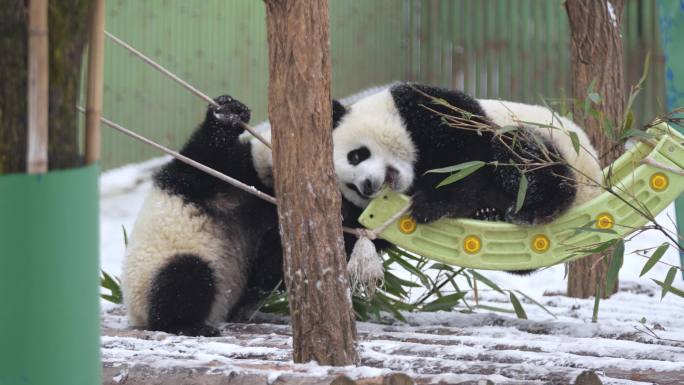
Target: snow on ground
447, 346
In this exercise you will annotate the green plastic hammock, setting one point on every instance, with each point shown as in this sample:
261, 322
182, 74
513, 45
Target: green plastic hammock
637, 186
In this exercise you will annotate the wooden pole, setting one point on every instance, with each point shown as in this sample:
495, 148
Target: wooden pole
299, 108
93, 136
38, 76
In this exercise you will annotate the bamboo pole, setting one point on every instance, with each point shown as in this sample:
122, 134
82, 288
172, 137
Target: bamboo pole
38, 76
93, 136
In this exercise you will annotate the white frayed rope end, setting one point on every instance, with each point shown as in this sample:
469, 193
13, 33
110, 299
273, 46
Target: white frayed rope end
365, 266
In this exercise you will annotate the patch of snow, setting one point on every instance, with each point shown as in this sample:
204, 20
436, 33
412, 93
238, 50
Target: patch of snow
611, 13
434, 344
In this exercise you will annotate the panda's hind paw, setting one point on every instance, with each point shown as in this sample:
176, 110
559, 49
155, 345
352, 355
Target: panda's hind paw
202, 330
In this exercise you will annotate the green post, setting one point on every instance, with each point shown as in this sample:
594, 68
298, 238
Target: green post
671, 15
49, 290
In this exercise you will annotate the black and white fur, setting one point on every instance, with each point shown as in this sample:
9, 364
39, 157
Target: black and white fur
197, 241
392, 138
200, 247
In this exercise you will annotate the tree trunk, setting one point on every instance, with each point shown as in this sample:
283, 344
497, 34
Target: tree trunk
67, 20
596, 55
305, 183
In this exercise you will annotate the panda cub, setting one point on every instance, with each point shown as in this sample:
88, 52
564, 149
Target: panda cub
201, 248
197, 241
393, 137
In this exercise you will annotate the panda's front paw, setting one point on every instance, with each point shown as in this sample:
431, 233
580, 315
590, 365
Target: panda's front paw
423, 210
229, 112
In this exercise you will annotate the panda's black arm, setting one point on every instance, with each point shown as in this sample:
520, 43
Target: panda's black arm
219, 133
215, 144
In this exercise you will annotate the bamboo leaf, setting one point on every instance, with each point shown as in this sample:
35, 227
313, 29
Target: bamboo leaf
597, 300
519, 311
485, 280
383, 302
114, 287
598, 248
575, 141
460, 166
410, 268
446, 303
494, 308
506, 129
655, 257
125, 235
629, 120
670, 289
536, 303
667, 285
459, 175
522, 191
615, 263
402, 281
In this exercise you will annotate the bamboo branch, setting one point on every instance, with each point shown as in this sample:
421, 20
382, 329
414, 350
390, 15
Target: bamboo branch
38, 84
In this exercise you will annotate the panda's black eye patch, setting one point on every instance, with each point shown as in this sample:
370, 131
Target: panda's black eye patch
359, 155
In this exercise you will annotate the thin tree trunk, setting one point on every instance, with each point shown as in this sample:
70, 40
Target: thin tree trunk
67, 20
308, 196
596, 55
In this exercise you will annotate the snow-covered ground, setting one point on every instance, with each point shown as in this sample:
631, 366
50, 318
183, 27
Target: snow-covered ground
438, 346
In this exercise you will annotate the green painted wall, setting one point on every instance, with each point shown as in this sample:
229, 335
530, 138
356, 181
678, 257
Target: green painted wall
511, 49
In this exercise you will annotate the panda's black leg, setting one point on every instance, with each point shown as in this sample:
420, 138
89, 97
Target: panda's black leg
550, 188
459, 199
181, 297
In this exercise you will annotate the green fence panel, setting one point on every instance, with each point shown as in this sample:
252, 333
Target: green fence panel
220, 47
49, 322
508, 49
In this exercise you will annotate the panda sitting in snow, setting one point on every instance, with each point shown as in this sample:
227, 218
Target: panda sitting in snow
201, 247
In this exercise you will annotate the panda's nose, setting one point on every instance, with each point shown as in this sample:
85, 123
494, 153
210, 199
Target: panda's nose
367, 188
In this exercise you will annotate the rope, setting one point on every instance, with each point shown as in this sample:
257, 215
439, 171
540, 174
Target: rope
359, 232
180, 81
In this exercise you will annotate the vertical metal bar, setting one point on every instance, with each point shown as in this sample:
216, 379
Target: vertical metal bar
38, 78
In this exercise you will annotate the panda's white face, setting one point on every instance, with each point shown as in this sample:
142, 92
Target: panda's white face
372, 149
364, 168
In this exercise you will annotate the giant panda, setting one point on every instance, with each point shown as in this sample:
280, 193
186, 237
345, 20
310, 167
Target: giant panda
393, 137
196, 243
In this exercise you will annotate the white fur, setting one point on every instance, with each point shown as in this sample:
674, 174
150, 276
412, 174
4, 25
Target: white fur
262, 157
506, 113
165, 227
374, 122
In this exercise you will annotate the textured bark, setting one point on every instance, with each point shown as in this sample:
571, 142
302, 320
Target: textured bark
13, 85
67, 20
305, 184
596, 55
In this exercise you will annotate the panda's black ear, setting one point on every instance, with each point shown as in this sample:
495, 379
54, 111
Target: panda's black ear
338, 111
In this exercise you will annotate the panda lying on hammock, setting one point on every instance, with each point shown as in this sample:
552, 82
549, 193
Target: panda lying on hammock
200, 247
